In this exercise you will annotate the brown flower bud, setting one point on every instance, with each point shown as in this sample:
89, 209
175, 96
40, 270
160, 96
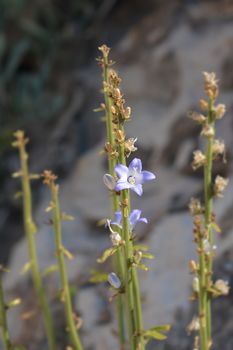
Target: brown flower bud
207, 131
105, 50
195, 207
129, 146
220, 185
220, 110
120, 136
199, 159
222, 286
197, 117
203, 104
210, 85
193, 266
218, 148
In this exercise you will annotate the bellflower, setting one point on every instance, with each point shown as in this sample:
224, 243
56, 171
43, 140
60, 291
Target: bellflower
132, 177
134, 218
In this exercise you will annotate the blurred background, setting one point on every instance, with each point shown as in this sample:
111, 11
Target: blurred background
49, 85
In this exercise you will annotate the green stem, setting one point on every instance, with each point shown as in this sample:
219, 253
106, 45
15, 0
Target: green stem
62, 270
30, 230
135, 324
117, 260
208, 211
3, 321
202, 297
139, 321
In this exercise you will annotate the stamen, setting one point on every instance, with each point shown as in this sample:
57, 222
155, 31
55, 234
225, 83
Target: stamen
131, 179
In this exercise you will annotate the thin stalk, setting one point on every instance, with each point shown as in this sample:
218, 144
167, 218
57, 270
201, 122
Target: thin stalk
117, 259
135, 324
30, 230
202, 297
62, 270
3, 321
208, 211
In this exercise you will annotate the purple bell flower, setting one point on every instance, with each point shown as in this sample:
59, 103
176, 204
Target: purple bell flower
134, 218
132, 177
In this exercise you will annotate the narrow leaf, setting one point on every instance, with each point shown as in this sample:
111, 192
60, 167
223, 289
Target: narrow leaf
216, 227
146, 255
106, 254
49, 269
26, 267
98, 277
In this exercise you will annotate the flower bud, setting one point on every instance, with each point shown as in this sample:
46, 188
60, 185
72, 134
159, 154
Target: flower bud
115, 239
199, 159
195, 207
222, 286
207, 131
129, 146
220, 185
193, 266
194, 325
196, 285
114, 280
210, 85
127, 113
220, 110
197, 117
218, 148
203, 104
120, 136
109, 181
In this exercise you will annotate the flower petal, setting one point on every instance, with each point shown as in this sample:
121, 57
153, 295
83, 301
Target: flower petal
143, 220
134, 217
122, 185
137, 188
136, 163
121, 171
117, 221
147, 175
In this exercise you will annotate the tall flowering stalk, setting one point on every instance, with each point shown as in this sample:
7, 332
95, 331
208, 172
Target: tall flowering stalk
3, 319
71, 319
30, 230
112, 159
204, 219
120, 181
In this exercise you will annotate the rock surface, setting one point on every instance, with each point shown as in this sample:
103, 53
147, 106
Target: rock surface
160, 61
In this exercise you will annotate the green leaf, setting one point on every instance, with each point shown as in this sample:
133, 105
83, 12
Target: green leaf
66, 217
157, 332
98, 276
18, 195
106, 254
49, 269
141, 247
142, 267
14, 303
146, 255
26, 267
216, 227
